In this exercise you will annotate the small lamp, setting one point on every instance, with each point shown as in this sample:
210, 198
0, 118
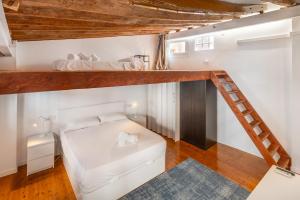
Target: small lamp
134, 107
43, 125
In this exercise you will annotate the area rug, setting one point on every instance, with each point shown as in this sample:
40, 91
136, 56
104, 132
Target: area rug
188, 181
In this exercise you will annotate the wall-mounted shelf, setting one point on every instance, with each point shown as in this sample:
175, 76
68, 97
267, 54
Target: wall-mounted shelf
264, 38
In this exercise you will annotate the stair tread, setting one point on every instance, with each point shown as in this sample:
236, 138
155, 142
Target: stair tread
228, 83
283, 162
255, 123
227, 79
232, 92
239, 101
247, 112
273, 148
220, 73
264, 135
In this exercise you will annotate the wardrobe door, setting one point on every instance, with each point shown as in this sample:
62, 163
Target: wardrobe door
196, 124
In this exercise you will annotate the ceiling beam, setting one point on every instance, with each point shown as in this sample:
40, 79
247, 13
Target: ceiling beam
23, 36
195, 5
24, 27
44, 21
52, 19
11, 4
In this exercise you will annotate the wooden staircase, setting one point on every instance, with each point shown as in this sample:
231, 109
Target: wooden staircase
258, 131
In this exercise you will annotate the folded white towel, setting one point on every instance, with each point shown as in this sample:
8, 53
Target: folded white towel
94, 58
72, 56
83, 57
126, 138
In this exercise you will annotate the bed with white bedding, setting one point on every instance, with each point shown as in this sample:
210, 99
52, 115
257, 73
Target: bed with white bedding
99, 168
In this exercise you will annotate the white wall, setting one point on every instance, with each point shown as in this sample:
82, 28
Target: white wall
260, 69
294, 125
8, 108
40, 55
8, 134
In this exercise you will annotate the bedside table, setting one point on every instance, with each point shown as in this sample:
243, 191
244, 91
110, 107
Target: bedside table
140, 119
40, 152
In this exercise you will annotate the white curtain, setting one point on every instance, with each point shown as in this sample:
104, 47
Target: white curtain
162, 109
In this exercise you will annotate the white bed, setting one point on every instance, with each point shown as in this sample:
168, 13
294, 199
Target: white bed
99, 169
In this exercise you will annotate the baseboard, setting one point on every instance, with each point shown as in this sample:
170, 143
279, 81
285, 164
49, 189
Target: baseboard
296, 169
8, 172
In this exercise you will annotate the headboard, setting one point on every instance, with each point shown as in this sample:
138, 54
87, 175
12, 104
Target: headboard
74, 113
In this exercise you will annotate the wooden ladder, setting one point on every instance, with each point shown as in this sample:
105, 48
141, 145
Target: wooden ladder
261, 135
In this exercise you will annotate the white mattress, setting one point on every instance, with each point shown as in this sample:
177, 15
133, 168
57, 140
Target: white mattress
95, 158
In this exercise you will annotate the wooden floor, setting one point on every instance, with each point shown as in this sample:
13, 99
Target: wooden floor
238, 166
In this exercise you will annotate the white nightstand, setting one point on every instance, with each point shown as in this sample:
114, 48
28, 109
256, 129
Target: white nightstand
140, 119
40, 152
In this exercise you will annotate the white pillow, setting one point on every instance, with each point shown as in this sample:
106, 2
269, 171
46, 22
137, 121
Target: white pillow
111, 117
82, 123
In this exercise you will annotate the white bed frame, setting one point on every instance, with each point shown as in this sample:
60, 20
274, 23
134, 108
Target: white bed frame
124, 184
121, 186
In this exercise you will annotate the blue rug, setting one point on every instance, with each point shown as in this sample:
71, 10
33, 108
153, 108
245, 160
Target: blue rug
187, 181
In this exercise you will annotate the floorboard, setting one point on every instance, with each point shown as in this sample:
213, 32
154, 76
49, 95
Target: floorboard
240, 167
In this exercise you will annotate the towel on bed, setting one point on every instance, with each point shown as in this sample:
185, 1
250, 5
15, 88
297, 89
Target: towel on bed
126, 139
72, 56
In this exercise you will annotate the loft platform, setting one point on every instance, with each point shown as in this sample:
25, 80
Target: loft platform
13, 82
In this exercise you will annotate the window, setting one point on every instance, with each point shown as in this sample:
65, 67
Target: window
204, 43
177, 47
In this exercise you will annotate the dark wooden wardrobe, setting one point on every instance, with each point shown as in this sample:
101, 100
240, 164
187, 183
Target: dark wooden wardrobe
198, 113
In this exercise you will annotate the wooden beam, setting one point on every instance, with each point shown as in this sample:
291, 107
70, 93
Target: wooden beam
121, 28
17, 18
24, 82
61, 36
194, 5
11, 4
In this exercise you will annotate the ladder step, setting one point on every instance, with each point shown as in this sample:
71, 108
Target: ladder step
226, 82
254, 123
273, 148
247, 112
220, 73
227, 79
239, 101
232, 92
263, 136
283, 162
